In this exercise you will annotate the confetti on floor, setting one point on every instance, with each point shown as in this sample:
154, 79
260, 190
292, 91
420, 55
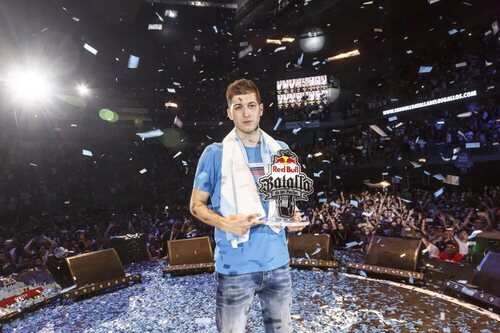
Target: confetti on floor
187, 304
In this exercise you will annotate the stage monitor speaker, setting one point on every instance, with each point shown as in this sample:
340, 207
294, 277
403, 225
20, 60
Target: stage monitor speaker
95, 267
190, 251
58, 268
130, 248
394, 253
317, 246
487, 275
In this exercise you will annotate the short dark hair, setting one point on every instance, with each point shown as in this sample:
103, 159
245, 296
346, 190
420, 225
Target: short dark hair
241, 87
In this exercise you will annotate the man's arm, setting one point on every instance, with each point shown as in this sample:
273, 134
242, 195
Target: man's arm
237, 224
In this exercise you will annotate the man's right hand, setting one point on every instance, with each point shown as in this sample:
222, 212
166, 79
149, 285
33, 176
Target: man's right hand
239, 224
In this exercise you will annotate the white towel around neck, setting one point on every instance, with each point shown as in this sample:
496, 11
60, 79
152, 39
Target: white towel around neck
238, 189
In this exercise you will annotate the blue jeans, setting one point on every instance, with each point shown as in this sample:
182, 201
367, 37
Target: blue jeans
235, 294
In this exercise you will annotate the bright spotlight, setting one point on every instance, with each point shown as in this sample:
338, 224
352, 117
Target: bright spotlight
28, 85
82, 89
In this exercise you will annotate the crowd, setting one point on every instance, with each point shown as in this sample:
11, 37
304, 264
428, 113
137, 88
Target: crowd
444, 224
53, 174
449, 75
53, 196
29, 242
435, 133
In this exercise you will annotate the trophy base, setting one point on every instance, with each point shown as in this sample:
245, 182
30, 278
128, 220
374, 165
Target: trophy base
286, 223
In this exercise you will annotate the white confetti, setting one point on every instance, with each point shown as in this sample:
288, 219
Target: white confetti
279, 49
425, 69
90, 49
439, 192
278, 122
155, 26
133, 61
150, 134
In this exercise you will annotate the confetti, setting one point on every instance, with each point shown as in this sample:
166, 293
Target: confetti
278, 122
438, 176
203, 321
464, 115
439, 192
178, 122
178, 154
86, 152
90, 49
301, 59
279, 49
155, 26
474, 234
171, 105
452, 180
378, 130
143, 171
317, 174
150, 134
159, 17
425, 69
133, 62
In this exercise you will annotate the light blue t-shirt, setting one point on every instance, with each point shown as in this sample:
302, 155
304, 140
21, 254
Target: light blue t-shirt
265, 250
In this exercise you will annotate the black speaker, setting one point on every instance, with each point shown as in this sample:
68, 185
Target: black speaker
310, 246
395, 253
190, 251
487, 275
95, 267
130, 248
58, 268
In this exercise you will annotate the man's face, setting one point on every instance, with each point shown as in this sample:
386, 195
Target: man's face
245, 112
450, 249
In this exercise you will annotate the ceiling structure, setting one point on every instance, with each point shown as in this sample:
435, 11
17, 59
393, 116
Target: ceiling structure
195, 54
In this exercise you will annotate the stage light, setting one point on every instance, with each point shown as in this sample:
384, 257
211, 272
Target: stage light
312, 40
82, 89
28, 86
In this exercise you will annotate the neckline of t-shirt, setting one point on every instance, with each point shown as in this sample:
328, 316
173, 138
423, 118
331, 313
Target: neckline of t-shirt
258, 146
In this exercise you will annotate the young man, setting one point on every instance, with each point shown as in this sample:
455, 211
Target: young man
250, 257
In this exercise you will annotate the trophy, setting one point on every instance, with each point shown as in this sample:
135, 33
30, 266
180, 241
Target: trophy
285, 183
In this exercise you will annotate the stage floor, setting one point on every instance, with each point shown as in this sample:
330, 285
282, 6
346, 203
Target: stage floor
323, 302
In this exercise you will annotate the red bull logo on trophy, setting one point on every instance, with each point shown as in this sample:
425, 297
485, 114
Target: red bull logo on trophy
285, 183
285, 164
